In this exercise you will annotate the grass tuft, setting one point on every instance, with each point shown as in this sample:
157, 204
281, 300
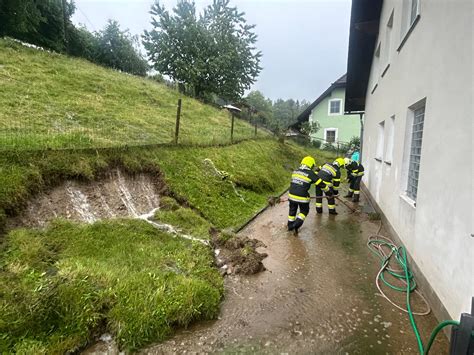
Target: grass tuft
187, 220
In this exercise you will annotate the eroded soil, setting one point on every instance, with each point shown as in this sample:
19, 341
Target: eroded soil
238, 255
116, 195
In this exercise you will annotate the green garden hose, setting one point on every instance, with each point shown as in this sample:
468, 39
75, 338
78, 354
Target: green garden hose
435, 332
386, 250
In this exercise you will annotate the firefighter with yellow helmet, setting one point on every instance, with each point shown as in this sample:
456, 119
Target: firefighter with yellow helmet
298, 196
329, 179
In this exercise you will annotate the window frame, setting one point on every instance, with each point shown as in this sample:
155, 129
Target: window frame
335, 134
408, 21
413, 157
413, 14
387, 52
408, 122
375, 70
388, 157
380, 147
340, 107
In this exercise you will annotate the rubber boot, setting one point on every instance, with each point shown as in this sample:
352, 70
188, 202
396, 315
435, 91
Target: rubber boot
297, 225
355, 198
333, 212
291, 225
319, 210
349, 194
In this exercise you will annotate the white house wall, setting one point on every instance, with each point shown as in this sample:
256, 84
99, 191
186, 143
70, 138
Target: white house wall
435, 63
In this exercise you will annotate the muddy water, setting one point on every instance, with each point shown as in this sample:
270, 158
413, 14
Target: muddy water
317, 296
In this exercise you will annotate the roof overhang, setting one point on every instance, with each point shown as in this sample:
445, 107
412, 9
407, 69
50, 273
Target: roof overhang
363, 32
304, 116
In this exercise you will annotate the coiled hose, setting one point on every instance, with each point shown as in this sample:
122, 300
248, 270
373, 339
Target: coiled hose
387, 251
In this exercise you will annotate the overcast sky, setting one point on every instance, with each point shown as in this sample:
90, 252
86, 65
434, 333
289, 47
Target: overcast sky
303, 42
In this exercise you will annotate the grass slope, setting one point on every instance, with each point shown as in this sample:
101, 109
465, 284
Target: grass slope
52, 100
60, 287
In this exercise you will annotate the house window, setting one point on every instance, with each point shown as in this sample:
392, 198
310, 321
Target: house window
410, 14
415, 152
330, 135
375, 71
335, 107
380, 141
388, 39
377, 51
390, 138
413, 11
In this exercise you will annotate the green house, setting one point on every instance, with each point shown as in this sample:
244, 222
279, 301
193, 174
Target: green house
328, 110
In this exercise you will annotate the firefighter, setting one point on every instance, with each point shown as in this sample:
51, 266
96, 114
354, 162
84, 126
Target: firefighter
298, 196
328, 183
355, 156
355, 171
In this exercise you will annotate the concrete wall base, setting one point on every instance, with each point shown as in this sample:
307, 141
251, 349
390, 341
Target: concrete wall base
437, 306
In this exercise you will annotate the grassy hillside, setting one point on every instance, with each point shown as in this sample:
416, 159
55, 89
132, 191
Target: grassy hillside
62, 286
52, 100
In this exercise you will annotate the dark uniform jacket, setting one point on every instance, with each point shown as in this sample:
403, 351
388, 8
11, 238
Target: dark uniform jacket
354, 169
331, 175
301, 181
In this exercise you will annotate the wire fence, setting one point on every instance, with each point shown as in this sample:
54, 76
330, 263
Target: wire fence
337, 147
72, 133
59, 112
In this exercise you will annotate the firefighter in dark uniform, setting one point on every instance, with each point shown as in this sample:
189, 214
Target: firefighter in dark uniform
355, 171
298, 196
330, 176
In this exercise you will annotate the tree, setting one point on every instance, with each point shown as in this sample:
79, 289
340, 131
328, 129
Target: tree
286, 112
261, 105
177, 45
213, 53
234, 53
309, 128
19, 19
82, 43
42, 23
116, 49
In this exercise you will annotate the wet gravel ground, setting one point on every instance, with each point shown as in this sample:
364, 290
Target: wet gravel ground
317, 296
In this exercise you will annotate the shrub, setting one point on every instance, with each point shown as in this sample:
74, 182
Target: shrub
316, 143
329, 147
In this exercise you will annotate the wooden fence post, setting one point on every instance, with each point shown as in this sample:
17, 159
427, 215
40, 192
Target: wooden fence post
232, 129
255, 128
178, 116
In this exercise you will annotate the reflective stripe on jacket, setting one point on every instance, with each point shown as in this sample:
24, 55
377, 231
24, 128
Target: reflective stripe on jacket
301, 181
355, 169
331, 175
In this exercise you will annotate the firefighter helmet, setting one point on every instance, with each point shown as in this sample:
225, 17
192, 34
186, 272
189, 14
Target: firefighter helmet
355, 156
347, 161
309, 162
340, 162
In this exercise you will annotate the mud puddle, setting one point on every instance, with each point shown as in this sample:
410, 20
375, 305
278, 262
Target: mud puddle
317, 295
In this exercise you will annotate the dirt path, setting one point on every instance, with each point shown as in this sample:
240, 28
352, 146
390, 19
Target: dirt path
317, 296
